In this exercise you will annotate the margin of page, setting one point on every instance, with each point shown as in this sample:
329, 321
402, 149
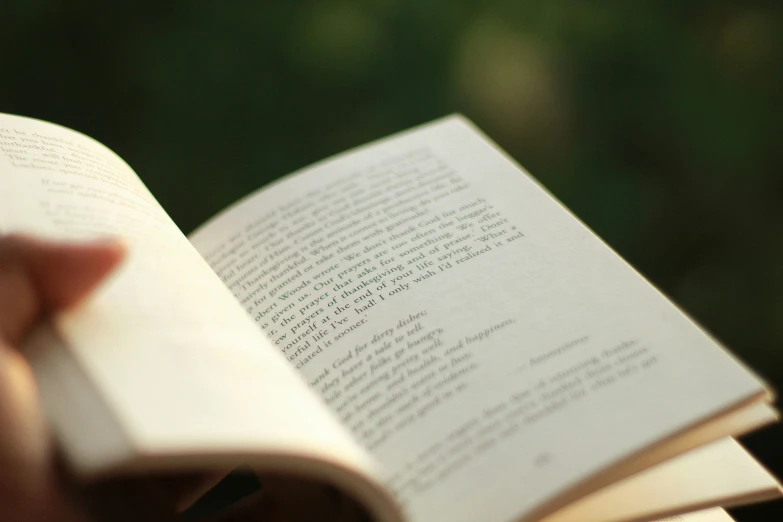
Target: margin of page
770, 395
628, 465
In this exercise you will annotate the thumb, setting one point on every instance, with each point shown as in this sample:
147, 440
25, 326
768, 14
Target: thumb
38, 277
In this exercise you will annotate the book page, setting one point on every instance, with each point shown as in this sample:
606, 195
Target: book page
482, 343
707, 515
177, 362
722, 473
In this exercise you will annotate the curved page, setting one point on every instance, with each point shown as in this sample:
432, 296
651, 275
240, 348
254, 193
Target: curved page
482, 343
179, 368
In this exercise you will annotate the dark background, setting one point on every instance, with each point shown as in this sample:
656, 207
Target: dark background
658, 123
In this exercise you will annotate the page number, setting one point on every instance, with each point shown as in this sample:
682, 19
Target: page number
543, 460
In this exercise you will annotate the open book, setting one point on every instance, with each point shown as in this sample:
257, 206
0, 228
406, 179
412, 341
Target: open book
416, 322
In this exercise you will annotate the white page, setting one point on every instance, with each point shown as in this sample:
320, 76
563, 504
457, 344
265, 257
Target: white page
722, 473
485, 345
707, 515
166, 345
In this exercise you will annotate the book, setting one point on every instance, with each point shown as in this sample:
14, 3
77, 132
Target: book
416, 322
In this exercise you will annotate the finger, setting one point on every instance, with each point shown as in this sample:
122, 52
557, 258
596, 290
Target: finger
133, 498
29, 487
38, 277
127, 499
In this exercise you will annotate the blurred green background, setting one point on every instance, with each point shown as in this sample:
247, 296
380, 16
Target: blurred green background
658, 123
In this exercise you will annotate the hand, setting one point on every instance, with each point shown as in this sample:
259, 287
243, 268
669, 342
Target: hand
38, 279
